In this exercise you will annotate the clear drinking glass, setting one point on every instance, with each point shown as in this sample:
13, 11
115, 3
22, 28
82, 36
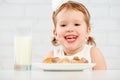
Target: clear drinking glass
23, 49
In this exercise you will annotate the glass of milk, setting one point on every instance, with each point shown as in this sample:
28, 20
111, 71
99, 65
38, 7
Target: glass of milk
23, 50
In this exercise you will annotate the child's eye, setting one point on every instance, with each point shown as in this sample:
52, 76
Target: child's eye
77, 24
63, 25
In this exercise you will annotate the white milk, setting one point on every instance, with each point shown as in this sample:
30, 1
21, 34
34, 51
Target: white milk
23, 50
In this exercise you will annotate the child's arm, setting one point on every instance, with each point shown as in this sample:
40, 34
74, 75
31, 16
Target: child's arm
50, 54
98, 58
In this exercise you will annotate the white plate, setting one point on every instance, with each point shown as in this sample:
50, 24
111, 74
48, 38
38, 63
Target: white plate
64, 66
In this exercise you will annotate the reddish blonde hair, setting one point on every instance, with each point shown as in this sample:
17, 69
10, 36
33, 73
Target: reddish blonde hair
75, 6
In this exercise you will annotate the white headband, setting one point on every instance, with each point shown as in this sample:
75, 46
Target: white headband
57, 3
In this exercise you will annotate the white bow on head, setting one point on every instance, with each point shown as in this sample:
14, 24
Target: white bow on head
57, 3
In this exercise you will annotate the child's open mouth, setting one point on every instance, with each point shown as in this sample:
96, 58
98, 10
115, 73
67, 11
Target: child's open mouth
70, 38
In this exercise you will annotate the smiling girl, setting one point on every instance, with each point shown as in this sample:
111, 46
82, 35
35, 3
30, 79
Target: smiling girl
71, 35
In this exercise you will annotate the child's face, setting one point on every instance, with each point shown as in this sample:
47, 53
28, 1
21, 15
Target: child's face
71, 29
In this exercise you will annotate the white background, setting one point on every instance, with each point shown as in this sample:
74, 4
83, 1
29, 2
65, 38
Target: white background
37, 15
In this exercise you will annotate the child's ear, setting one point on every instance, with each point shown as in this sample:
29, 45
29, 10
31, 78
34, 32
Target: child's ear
54, 32
88, 29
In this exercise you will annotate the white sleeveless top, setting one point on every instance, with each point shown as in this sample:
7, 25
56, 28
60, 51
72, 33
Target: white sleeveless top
58, 52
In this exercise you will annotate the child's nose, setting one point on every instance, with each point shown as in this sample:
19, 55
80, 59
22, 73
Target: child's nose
70, 29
